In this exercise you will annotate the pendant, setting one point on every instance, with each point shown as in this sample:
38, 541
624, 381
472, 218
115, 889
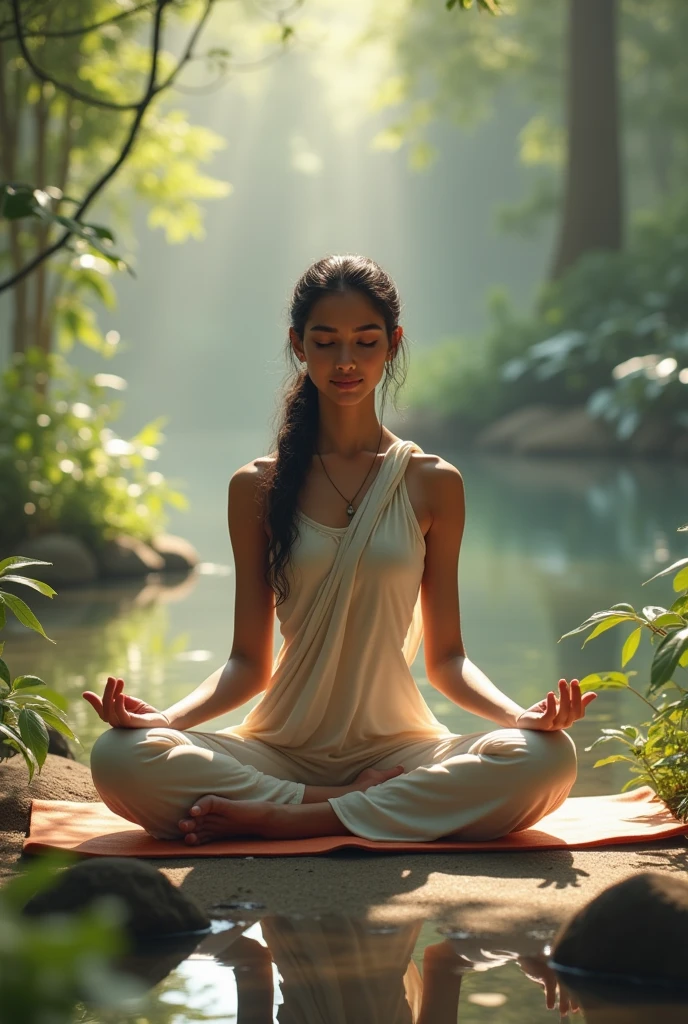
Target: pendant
350, 510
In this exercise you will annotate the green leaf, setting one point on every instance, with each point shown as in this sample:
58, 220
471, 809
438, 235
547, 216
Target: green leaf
43, 588
651, 611
5, 673
670, 568
17, 561
668, 619
34, 733
604, 681
630, 646
667, 657
612, 760
601, 627
59, 726
27, 754
37, 703
673, 760
680, 605
639, 780
23, 682
24, 614
681, 580
623, 607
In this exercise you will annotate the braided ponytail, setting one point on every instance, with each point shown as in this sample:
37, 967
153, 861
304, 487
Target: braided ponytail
295, 440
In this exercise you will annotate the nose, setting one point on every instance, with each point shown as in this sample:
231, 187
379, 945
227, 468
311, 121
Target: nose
345, 359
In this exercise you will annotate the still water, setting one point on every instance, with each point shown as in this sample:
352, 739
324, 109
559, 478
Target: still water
547, 543
335, 969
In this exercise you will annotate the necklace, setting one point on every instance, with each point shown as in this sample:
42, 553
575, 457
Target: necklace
350, 507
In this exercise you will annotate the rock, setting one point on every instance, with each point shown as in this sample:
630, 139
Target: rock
638, 927
503, 434
127, 556
59, 779
570, 432
59, 745
73, 562
155, 907
179, 554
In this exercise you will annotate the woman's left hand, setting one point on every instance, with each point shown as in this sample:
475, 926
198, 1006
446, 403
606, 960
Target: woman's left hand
550, 714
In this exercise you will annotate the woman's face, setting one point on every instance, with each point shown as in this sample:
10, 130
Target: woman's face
345, 339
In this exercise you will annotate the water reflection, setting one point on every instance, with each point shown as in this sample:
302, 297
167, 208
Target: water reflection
335, 969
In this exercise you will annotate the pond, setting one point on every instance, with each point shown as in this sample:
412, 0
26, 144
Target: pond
254, 968
547, 543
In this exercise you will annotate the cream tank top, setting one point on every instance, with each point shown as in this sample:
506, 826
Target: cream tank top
341, 689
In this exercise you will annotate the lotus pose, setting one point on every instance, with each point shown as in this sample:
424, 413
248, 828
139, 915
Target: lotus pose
351, 535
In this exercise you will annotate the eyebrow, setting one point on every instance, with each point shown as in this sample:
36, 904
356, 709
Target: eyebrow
333, 330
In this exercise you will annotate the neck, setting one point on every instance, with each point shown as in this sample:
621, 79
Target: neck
347, 431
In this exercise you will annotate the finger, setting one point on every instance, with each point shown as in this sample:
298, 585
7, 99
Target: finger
550, 708
120, 708
94, 700
562, 718
550, 983
115, 719
586, 699
576, 705
107, 697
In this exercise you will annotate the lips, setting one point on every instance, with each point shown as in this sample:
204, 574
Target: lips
350, 380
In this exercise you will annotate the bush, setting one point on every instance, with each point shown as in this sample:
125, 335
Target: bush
62, 467
612, 333
659, 756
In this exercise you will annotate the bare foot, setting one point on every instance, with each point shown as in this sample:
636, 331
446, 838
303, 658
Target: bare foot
215, 817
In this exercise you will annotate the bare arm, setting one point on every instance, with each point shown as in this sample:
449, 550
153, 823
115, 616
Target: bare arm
448, 669
249, 666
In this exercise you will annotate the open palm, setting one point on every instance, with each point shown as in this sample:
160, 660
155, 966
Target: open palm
122, 711
550, 714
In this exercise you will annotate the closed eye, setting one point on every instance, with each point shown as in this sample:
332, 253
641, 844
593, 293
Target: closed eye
326, 344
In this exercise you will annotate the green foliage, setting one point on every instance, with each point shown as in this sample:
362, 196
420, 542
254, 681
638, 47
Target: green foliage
612, 333
48, 964
658, 756
62, 467
24, 714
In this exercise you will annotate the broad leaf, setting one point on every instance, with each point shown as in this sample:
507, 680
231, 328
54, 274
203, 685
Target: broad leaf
604, 681
612, 760
670, 568
34, 733
5, 673
601, 627
24, 614
630, 646
651, 611
37, 703
623, 607
27, 754
681, 580
668, 619
43, 588
23, 682
667, 657
59, 725
17, 561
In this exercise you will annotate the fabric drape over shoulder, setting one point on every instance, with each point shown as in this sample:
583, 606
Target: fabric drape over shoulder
351, 626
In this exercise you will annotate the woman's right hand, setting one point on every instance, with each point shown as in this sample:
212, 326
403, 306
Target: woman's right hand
122, 711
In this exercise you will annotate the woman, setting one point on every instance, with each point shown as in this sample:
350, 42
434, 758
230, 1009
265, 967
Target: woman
356, 532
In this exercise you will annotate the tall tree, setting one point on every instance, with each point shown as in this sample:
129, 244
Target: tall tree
592, 210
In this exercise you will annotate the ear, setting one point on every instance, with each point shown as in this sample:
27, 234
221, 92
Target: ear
297, 344
395, 340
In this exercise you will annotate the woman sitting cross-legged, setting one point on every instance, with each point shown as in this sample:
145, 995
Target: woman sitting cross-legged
351, 536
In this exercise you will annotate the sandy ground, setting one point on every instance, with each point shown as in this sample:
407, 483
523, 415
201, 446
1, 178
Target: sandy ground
491, 894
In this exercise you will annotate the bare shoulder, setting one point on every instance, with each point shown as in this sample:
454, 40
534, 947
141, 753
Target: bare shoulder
436, 485
244, 484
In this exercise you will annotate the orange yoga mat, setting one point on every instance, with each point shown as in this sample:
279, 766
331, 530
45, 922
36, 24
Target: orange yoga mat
583, 822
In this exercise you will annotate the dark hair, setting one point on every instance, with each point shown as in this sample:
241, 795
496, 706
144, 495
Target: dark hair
295, 437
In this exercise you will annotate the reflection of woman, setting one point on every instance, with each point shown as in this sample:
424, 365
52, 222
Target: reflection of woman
357, 533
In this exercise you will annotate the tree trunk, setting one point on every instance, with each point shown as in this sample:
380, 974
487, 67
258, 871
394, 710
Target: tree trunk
593, 203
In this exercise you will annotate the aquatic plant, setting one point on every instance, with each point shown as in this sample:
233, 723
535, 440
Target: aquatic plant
24, 714
658, 751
